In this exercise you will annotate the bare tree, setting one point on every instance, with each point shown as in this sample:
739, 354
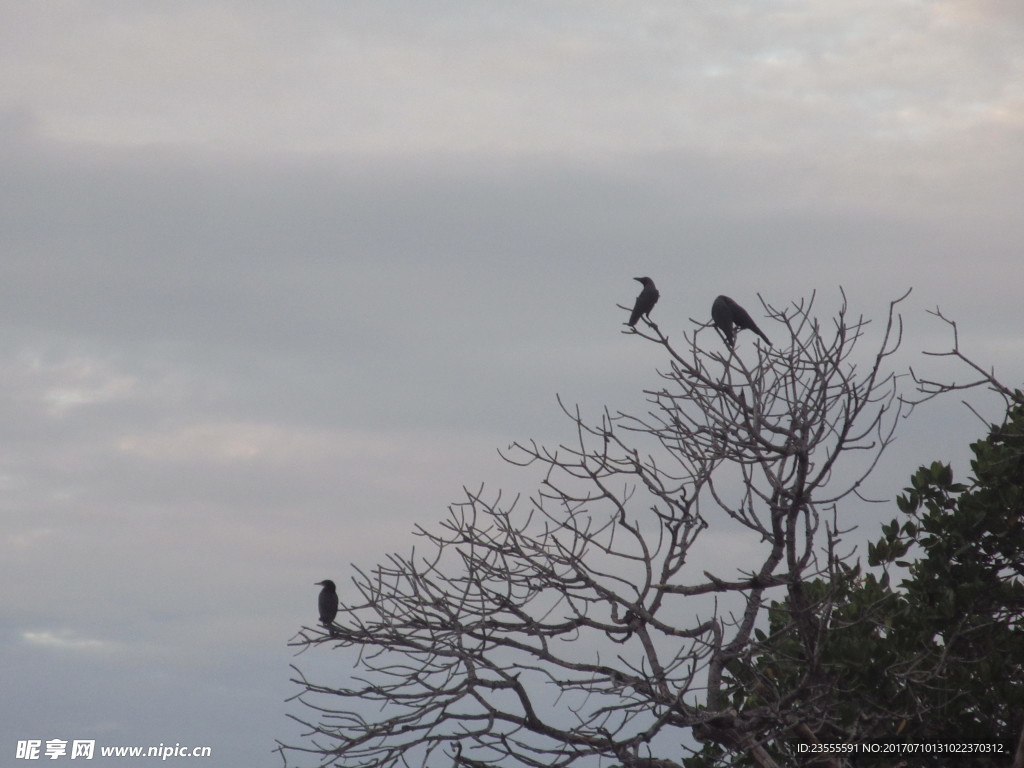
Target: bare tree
597, 622
930, 388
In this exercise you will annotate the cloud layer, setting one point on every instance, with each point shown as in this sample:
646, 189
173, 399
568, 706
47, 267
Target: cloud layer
279, 281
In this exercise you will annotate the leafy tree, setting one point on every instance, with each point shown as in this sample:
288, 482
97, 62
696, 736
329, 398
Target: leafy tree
598, 621
941, 656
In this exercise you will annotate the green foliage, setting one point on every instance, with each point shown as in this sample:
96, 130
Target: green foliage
938, 657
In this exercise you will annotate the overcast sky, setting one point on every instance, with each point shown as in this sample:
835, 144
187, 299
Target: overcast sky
279, 278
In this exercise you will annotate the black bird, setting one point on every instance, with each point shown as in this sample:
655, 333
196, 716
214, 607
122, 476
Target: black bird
726, 313
328, 603
645, 301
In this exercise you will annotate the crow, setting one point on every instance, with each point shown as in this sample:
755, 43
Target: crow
726, 313
328, 603
645, 301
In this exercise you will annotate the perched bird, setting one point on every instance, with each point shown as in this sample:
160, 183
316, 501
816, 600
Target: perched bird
645, 301
328, 603
726, 313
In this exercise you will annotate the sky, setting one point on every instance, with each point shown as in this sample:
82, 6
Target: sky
279, 279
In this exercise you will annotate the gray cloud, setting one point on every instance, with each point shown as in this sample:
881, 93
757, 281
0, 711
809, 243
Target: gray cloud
278, 281
523, 77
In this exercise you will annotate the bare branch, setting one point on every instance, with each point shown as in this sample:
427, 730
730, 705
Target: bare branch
591, 619
929, 388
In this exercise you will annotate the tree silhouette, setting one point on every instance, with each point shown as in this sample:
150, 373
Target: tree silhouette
599, 617
938, 660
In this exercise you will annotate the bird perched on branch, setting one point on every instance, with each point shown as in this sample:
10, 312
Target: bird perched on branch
328, 603
726, 313
645, 301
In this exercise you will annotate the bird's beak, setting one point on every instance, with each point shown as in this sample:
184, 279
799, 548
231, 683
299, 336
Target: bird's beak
638, 279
